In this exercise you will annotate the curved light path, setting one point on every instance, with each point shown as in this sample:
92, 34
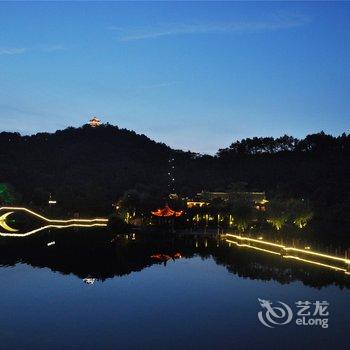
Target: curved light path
96, 222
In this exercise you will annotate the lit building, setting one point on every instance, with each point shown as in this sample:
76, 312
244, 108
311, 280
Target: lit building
194, 203
204, 198
167, 212
166, 216
94, 122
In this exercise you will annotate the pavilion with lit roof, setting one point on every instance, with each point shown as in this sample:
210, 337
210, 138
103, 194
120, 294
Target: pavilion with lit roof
167, 212
167, 215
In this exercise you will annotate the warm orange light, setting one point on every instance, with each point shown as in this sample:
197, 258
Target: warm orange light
167, 212
192, 204
94, 122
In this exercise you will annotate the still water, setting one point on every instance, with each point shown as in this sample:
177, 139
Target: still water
207, 299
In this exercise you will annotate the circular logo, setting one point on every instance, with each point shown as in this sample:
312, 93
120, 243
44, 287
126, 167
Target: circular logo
274, 315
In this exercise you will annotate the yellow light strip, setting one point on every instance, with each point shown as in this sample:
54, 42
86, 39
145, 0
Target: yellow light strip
49, 226
255, 240
51, 220
316, 263
252, 247
333, 267
347, 261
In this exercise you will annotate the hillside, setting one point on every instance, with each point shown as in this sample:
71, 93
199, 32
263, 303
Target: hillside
83, 168
87, 169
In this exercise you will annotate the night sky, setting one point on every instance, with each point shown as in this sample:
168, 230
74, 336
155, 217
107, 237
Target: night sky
195, 75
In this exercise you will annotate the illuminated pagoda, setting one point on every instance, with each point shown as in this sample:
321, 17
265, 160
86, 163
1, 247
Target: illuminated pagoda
167, 212
94, 122
166, 216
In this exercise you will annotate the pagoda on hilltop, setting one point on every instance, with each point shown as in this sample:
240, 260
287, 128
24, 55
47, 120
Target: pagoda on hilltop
94, 122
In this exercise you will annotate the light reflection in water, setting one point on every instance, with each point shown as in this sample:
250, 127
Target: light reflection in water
284, 251
42, 228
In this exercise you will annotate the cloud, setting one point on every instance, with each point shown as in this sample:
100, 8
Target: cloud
12, 50
276, 22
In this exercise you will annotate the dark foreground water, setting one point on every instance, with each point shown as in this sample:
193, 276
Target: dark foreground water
206, 300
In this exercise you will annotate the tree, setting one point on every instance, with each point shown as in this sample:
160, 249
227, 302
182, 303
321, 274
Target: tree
301, 212
242, 212
7, 194
278, 213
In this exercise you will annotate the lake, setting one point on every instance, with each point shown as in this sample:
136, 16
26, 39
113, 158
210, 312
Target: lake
207, 299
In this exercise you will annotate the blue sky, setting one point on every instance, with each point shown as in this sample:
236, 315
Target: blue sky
194, 75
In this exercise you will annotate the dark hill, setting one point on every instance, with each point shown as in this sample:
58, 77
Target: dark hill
87, 169
83, 168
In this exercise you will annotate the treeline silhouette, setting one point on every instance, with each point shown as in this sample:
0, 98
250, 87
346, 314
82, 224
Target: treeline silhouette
87, 169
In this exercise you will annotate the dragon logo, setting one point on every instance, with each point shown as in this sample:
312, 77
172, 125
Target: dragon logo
274, 315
